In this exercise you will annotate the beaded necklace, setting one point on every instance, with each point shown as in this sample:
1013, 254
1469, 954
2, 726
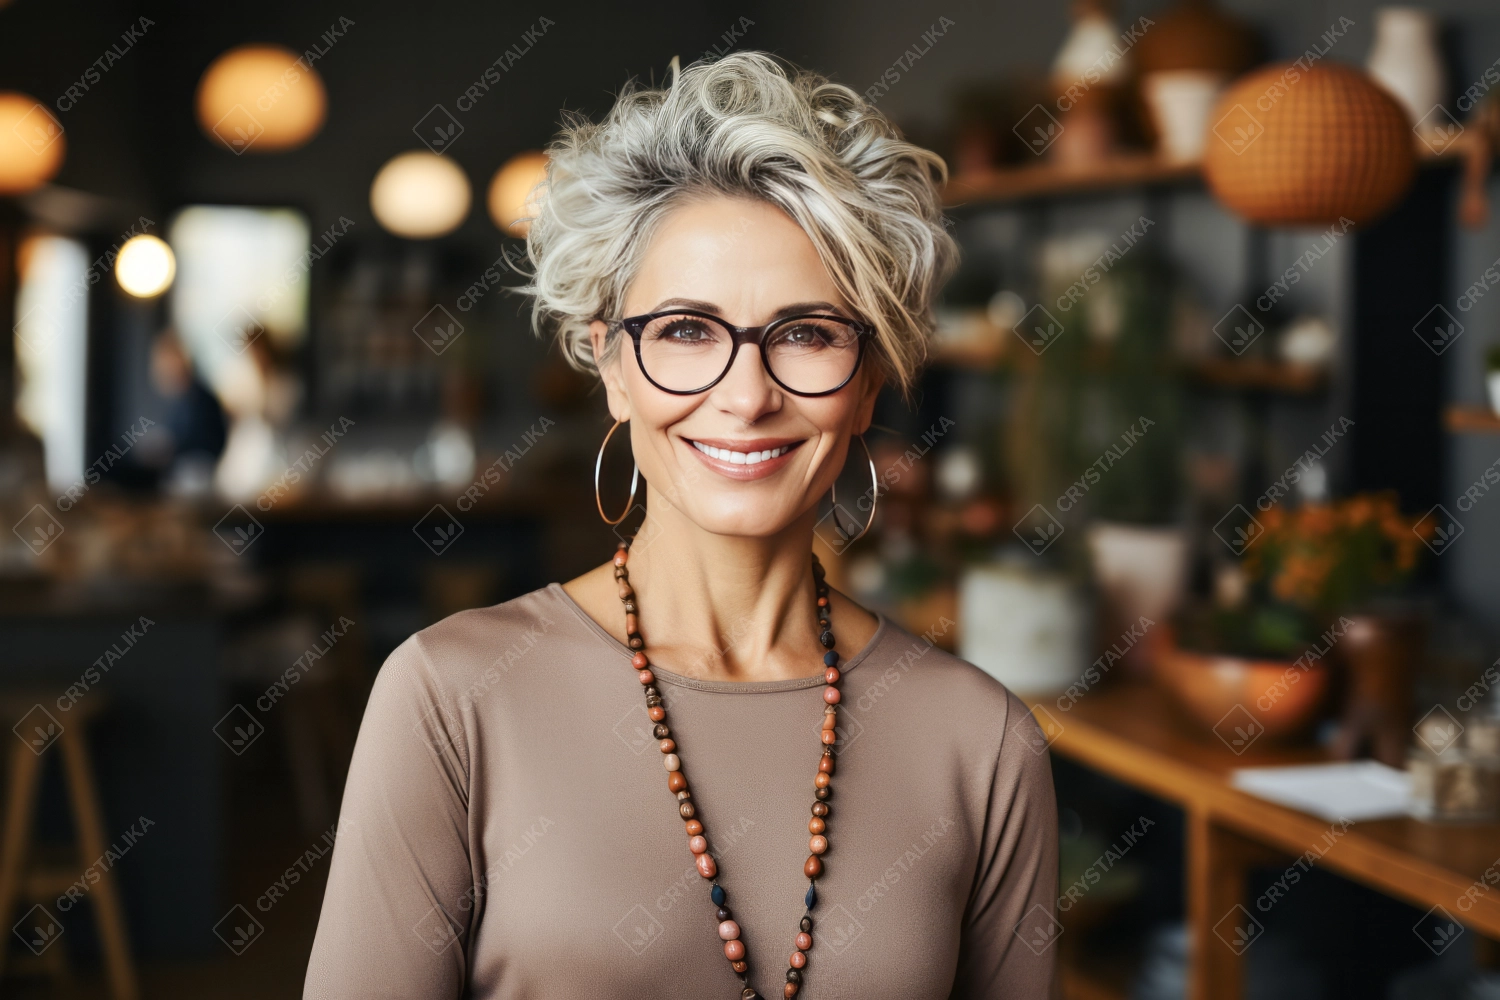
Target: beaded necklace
817, 826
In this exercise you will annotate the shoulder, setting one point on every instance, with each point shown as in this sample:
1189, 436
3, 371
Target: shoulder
944, 692
473, 650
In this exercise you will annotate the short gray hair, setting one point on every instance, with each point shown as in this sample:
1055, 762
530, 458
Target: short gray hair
747, 125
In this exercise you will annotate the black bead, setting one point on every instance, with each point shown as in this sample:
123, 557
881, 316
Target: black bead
806, 925
749, 994
794, 976
619, 572
661, 731
653, 690
826, 639
724, 914
636, 642
820, 809
823, 794
653, 701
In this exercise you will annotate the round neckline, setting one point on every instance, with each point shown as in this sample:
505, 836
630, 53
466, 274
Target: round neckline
720, 687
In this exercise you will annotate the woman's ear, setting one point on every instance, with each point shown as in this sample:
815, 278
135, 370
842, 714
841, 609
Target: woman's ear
609, 371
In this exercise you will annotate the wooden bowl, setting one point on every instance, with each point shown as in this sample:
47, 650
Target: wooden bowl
1280, 695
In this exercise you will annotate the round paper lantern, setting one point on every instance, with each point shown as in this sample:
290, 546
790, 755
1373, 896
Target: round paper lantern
261, 97
1308, 147
31, 144
145, 266
420, 195
514, 191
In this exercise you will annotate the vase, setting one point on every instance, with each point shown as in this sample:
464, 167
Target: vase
1142, 574
1025, 628
1180, 103
1405, 58
1378, 652
1492, 384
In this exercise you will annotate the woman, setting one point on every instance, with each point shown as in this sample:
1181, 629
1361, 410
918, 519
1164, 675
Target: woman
623, 786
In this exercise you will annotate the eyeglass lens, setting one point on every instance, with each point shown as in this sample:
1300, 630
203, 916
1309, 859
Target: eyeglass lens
808, 354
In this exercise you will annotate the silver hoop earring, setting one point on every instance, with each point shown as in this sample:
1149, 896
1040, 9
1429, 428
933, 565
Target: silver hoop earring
635, 478
874, 496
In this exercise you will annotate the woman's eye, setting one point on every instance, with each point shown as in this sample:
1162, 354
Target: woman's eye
686, 332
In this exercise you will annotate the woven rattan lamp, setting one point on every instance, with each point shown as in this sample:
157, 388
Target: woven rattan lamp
1308, 147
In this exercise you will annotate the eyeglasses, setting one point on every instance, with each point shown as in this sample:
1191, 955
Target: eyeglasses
683, 351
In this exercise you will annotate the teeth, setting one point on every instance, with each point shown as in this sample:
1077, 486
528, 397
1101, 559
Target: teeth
741, 457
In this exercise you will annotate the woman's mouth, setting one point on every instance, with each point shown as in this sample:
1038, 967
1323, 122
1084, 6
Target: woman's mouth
743, 460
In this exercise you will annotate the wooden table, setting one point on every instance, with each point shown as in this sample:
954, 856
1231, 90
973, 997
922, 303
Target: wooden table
1133, 734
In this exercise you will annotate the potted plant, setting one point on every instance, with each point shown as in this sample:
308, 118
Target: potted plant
1314, 578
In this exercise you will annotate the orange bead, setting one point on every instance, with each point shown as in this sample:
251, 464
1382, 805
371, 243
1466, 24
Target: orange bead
832, 696
675, 781
804, 941
798, 960
667, 746
739, 966
829, 737
817, 844
698, 844
816, 825
639, 661
821, 779
694, 827
631, 625
790, 990
656, 713
708, 869
831, 675
646, 676
812, 869
621, 557
733, 950
825, 764
830, 720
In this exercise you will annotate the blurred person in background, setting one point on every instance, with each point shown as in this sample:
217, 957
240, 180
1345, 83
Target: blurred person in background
194, 429
744, 257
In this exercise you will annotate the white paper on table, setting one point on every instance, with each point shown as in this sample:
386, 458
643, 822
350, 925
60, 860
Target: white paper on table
1354, 790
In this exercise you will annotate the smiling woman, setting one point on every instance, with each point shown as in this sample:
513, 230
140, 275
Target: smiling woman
769, 246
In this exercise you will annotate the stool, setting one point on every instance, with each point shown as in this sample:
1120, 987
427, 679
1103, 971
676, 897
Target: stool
24, 876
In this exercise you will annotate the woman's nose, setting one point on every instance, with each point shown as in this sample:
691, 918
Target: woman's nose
747, 391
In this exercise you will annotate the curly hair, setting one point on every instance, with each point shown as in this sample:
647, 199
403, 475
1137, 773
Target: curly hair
748, 125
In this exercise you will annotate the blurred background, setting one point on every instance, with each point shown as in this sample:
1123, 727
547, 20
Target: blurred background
1203, 465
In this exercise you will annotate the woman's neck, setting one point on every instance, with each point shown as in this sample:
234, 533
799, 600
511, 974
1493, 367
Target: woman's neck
719, 607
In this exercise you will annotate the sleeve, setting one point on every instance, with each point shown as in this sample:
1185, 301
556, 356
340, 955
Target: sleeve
394, 921
1010, 927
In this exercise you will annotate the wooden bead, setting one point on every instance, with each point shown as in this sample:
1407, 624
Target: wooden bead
806, 925
829, 737
646, 677
694, 827
822, 602
729, 931
741, 966
660, 731
817, 844
831, 718
667, 746
625, 592
632, 626
708, 869
636, 642
798, 960
698, 844
789, 991
831, 695
639, 661
622, 556
816, 825
812, 869
656, 713
831, 675
734, 950
672, 762
804, 941
686, 810
675, 781
821, 779
823, 794
820, 809
825, 763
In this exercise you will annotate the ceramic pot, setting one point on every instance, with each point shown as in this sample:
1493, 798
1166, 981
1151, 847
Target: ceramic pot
1279, 698
1024, 628
1405, 58
1379, 654
1180, 103
1142, 573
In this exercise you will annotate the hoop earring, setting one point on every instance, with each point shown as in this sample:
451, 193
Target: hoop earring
635, 478
874, 495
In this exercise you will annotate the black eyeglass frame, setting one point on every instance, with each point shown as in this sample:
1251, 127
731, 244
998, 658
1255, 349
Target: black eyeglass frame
757, 335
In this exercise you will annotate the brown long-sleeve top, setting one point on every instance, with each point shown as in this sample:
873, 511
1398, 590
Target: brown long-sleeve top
507, 831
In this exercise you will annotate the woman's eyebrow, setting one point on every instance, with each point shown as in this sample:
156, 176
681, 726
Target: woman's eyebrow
795, 309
